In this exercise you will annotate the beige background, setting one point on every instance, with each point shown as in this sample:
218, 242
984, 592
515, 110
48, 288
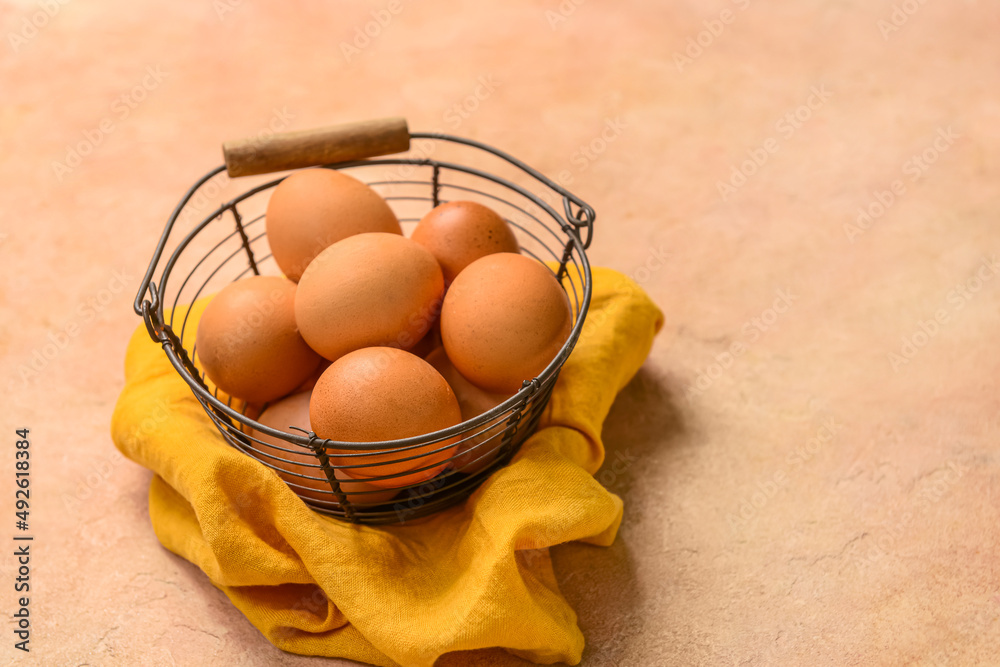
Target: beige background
816, 502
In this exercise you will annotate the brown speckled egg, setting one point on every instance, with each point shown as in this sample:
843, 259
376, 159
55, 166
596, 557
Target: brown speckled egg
248, 343
314, 208
503, 321
294, 411
384, 393
477, 452
368, 290
460, 232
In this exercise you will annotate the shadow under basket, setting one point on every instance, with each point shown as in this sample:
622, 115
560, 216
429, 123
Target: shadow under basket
218, 232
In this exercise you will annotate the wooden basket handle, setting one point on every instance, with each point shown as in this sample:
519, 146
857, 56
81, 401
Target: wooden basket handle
309, 148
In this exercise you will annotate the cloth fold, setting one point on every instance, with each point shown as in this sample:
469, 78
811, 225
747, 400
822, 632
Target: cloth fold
473, 576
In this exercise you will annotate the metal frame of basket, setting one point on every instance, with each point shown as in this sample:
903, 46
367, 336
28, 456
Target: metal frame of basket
486, 442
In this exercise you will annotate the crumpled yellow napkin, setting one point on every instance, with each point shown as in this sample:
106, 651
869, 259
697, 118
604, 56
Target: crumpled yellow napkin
474, 576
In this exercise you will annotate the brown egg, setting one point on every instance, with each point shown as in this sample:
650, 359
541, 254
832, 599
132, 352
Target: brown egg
294, 411
314, 208
479, 451
248, 343
460, 232
368, 290
384, 393
503, 321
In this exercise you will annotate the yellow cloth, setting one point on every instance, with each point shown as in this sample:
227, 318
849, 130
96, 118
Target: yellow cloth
466, 578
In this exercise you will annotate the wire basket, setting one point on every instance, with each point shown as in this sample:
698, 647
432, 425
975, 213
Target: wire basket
218, 244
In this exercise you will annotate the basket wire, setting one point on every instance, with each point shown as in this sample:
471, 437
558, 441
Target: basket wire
233, 245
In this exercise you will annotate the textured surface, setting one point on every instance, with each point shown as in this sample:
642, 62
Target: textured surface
816, 502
